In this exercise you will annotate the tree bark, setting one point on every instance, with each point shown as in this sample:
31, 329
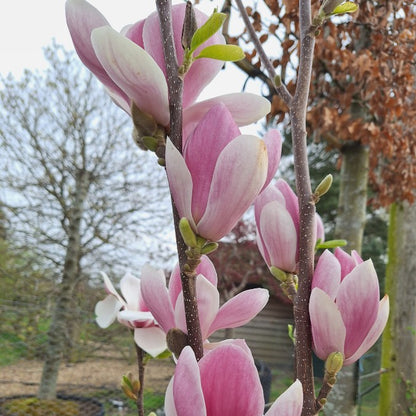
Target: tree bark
398, 384
342, 401
62, 312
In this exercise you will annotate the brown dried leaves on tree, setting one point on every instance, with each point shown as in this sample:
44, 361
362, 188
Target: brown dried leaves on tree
363, 87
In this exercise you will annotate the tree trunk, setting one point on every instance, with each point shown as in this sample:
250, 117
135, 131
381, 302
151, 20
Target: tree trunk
62, 312
342, 401
398, 384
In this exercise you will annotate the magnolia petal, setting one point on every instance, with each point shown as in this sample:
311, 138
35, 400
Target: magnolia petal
169, 408
230, 382
358, 301
130, 290
187, 390
328, 329
327, 275
208, 303
110, 289
82, 18
135, 33
292, 203
279, 236
238, 177
240, 309
151, 339
273, 141
320, 230
215, 130
289, 403
207, 269
106, 311
156, 298
136, 317
180, 182
374, 333
347, 262
271, 193
245, 108
134, 71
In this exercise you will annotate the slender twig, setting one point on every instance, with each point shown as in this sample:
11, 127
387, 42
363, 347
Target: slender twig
280, 88
140, 367
175, 89
298, 110
298, 107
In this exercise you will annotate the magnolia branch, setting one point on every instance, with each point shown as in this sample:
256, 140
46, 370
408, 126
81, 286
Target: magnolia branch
175, 89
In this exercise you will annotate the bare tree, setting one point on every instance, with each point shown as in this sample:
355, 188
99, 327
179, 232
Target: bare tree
73, 184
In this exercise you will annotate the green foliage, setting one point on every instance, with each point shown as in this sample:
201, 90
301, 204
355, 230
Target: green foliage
230, 53
207, 30
347, 7
36, 407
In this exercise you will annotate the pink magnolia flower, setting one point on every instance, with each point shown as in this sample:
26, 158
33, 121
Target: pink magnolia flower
167, 305
131, 311
346, 313
220, 172
276, 212
131, 65
224, 382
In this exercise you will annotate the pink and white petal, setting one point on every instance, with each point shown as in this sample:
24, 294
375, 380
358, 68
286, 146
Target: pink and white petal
230, 382
245, 108
151, 339
134, 32
169, 408
273, 141
156, 297
180, 182
106, 311
130, 290
292, 203
356, 257
136, 318
82, 18
215, 130
271, 193
207, 269
134, 71
374, 333
327, 274
208, 303
279, 236
109, 288
238, 177
320, 230
175, 285
239, 310
328, 329
346, 261
187, 390
289, 403
358, 301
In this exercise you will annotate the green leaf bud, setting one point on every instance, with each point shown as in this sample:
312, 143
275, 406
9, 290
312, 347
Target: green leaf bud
209, 248
347, 7
207, 30
229, 53
187, 233
330, 244
150, 143
278, 274
334, 363
323, 187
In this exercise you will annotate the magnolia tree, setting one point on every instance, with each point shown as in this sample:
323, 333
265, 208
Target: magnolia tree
154, 70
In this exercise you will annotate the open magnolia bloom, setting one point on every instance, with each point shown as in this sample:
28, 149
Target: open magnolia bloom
346, 312
131, 311
276, 212
167, 305
220, 172
131, 65
225, 382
